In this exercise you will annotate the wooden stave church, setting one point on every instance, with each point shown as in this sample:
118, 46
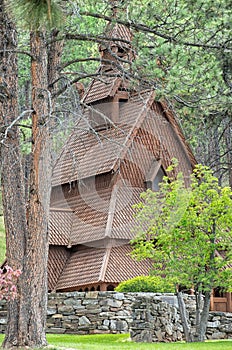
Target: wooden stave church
120, 146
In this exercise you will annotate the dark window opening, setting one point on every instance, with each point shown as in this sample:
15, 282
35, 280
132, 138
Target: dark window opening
110, 288
219, 292
122, 102
121, 51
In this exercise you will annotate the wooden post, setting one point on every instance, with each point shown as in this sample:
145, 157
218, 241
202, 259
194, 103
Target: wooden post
228, 302
104, 287
212, 302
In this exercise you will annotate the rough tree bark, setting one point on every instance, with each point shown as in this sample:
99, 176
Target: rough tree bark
11, 171
228, 144
55, 50
26, 230
54, 60
32, 320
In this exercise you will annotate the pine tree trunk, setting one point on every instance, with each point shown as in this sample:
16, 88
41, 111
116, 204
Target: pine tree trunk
54, 61
11, 170
228, 144
33, 309
27, 233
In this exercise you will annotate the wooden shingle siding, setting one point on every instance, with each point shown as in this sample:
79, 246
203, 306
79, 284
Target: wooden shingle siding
121, 267
57, 258
83, 267
60, 226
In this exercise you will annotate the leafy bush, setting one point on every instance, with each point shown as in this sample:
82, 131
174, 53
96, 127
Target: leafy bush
152, 284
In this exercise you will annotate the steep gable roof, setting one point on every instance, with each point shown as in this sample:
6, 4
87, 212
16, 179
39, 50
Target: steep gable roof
96, 265
146, 132
88, 154
98, 215
104, 86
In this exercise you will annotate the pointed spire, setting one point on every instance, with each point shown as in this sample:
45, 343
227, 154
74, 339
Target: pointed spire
122, 47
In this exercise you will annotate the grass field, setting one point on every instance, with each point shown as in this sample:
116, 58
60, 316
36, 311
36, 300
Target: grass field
122, 341
2, 241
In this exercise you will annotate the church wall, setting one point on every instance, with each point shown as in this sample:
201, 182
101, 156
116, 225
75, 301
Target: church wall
66, 195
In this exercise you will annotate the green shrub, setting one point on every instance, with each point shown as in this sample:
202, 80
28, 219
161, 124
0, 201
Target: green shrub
152, 284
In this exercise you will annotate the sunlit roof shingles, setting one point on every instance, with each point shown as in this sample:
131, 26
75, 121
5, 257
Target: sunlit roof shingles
119, 258
83, 267
101, 88
89, 156
90, 217
57, 259
60, 223
123, 220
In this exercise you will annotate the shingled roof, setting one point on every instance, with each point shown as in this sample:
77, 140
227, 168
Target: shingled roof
78, 158
89, 266
97, 215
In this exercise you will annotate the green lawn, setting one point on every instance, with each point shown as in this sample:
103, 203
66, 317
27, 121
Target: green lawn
121, 341
2, 241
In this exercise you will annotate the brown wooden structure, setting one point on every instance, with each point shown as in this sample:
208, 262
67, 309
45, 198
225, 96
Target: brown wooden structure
121, 145
222, 302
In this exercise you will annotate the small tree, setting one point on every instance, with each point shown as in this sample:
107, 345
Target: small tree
188, 234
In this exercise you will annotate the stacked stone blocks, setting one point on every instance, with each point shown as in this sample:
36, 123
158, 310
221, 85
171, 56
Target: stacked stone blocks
150, 317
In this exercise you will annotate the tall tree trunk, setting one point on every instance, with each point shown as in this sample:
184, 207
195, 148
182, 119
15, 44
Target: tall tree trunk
55, 50
198, 296
27, 233
34, 296
54, 60
11, 170
228, 149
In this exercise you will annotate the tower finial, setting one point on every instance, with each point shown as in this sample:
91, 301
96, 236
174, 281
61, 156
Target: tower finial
121, 45
114, 6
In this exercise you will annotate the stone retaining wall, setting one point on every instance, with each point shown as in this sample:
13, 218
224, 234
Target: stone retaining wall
156, 319
149, 316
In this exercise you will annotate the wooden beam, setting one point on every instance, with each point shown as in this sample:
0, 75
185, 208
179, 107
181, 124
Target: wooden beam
229, 302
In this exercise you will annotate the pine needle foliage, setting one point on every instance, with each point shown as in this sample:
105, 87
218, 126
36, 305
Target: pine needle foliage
37, 15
